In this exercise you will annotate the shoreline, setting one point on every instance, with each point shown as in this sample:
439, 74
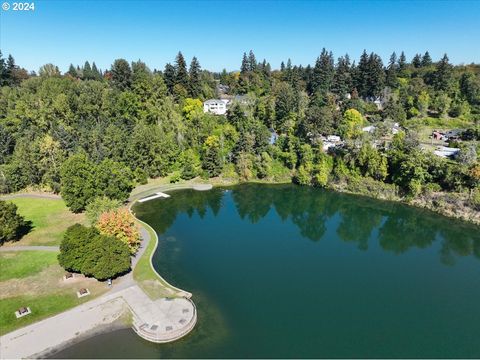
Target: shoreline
114, 318
469, 215
119, 324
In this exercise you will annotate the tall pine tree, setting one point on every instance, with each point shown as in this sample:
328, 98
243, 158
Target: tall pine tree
443, 75
342, 80
391, 72
169, 77
181, 73
195, 88
426, 59
323, 73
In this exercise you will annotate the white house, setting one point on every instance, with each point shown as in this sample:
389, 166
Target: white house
215, 106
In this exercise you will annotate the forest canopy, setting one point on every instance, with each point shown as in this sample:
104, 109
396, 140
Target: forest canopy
91, 133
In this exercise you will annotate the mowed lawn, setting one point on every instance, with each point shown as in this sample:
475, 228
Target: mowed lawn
50, 218
21, 264
34, 279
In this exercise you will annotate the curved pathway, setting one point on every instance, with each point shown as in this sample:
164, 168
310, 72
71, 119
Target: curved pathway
32, 195
161, 320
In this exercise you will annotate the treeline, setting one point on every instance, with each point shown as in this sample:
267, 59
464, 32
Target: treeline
92, 133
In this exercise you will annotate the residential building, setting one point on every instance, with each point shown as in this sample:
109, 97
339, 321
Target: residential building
215, 106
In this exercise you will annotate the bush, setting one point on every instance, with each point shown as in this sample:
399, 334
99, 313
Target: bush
175, 177
141, 177
303, 176
12, 225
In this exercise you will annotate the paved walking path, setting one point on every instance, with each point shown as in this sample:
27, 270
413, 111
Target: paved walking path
23, 248
31, 195
160, 320
165, 319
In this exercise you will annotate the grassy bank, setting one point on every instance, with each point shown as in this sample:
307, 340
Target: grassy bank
144, 274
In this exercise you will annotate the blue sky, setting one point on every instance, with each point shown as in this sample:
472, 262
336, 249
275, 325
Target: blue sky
218, 32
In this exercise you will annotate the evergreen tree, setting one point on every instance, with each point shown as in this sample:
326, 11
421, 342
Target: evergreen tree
195, 88
252, 62
245, 67
323, 73
181, 73
443, 75
72, 71
87, 71
121, 74
362, 75
426, 59
417, 61
169, 77
13, 224
376, 75
282, 66
402, 64
391, 79
10, 69
212, 160
342, 80
3, 74
96, 74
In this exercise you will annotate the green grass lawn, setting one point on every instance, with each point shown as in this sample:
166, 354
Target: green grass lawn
50, 218
42, 306
34, 278
21, 264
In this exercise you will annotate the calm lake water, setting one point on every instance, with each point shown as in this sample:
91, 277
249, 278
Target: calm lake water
286, 271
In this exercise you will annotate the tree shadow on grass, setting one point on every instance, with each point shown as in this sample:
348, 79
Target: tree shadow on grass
24, 229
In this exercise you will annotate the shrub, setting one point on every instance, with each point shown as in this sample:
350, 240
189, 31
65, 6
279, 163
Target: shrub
121, 225
303, 176
175, 177
141, 177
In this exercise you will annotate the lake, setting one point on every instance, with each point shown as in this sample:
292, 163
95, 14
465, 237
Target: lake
285, 271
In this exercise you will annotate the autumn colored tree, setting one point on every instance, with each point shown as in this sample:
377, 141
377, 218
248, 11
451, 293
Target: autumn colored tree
121, 225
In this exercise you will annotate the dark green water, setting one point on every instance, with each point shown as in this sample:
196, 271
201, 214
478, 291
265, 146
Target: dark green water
285, 271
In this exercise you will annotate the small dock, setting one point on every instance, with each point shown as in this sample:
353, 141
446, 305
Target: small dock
156, 196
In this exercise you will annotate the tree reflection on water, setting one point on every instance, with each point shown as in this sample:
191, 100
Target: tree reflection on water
398, 227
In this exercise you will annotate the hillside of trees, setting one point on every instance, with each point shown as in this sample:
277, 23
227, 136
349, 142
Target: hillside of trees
91, 133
